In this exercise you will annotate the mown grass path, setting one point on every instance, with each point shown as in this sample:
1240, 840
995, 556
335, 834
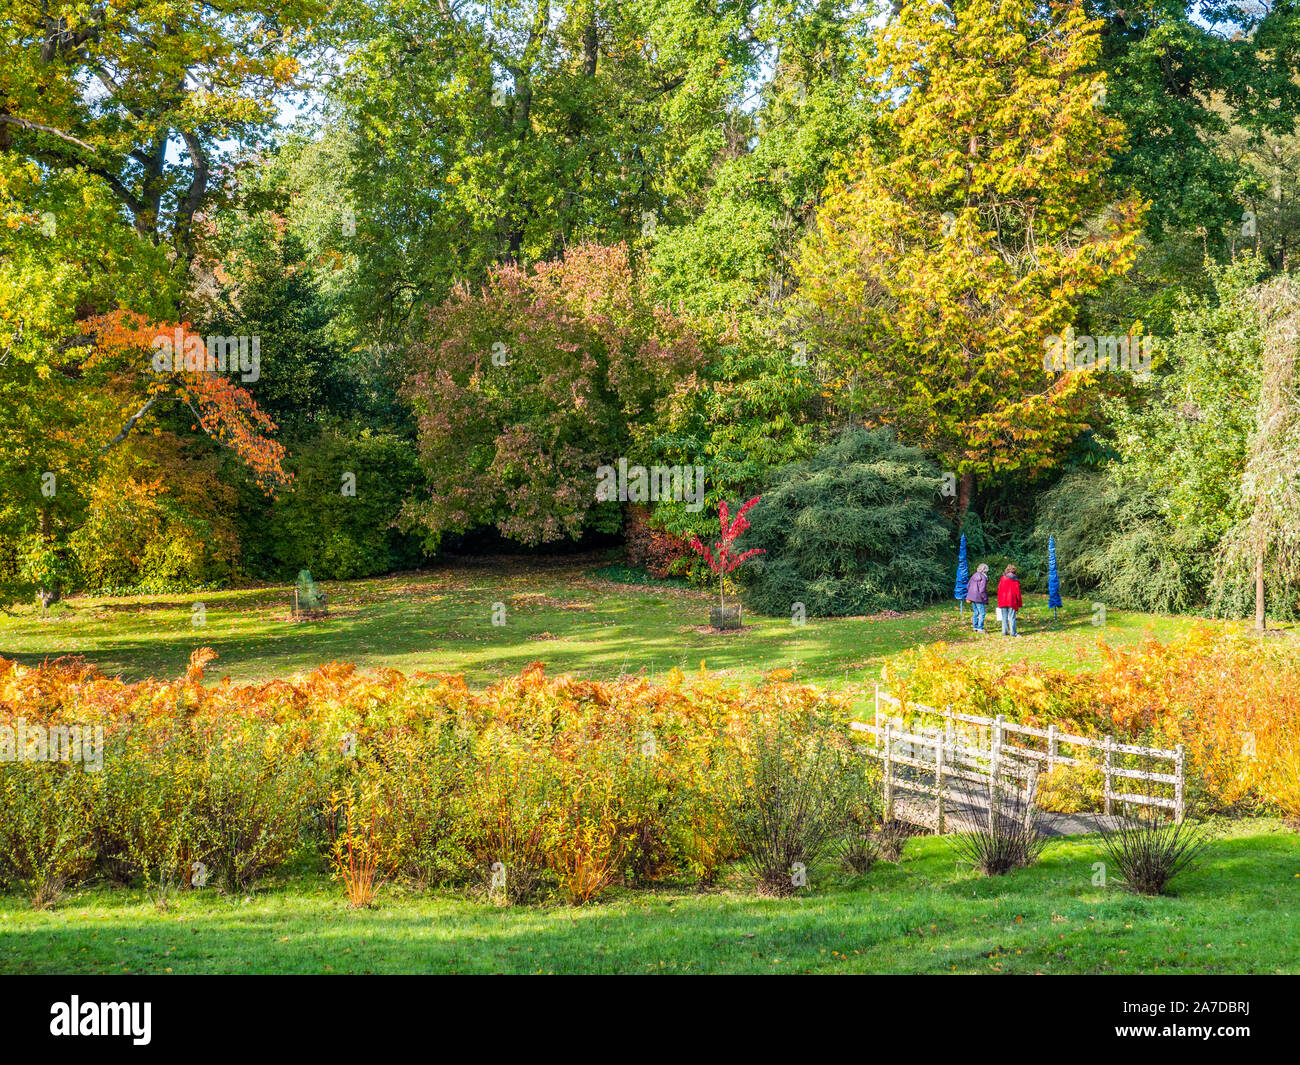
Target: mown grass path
555, 611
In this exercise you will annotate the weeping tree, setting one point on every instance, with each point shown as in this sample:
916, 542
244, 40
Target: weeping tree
856, 529
1267, 538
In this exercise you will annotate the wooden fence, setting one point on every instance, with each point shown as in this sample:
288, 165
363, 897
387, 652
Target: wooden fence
1009, 752
949, 764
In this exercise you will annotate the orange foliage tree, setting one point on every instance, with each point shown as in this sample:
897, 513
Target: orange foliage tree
222, 409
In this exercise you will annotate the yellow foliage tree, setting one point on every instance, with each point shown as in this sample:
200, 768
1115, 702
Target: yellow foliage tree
944, 259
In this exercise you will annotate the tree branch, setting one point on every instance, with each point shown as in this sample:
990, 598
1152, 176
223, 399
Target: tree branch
130, 424
37, 127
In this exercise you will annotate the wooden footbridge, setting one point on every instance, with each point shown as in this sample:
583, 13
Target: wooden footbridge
949, 774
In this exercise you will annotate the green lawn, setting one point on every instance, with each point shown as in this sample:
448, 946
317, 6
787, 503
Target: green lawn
558, 612
1236, 914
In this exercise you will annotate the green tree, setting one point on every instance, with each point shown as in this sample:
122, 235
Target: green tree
943, 261
1184, 437
733, 256
1146, 530
483, 134
269, 291
756, 408
1269, 532
1179, 76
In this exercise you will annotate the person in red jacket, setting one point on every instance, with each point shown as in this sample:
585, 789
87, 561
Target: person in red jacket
1009, 601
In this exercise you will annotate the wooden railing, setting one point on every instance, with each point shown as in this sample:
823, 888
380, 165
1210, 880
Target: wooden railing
951, 764
1008, 743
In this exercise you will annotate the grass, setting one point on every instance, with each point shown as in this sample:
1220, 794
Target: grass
1237, 913
560, 612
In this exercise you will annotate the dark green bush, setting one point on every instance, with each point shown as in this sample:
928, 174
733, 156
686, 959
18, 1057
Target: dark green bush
856, 529
983, 546
314, 525
1112, 542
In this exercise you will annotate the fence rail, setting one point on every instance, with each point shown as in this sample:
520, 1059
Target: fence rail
949, 761
1018, 759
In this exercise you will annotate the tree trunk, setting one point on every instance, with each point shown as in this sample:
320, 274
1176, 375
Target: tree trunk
1260, 622
51, 595
965, 491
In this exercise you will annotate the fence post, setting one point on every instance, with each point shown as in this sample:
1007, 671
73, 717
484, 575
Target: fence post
938, 783
1031, 796
1107, 793
1053, 746
995, 766
1179, 792
889, 771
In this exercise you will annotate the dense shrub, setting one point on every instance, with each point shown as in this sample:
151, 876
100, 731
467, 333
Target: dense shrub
47, 816
361, 830
1113, 541
1069, 789
420, 777
1283, 772
854, 530
257, 792
659, 553
891, 838
537, 786
157, 520
314, 524
1231, 699
147, 821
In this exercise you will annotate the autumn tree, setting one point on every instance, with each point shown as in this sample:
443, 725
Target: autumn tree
141, 96
943, 260
108, 394
116, 127
524, 387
